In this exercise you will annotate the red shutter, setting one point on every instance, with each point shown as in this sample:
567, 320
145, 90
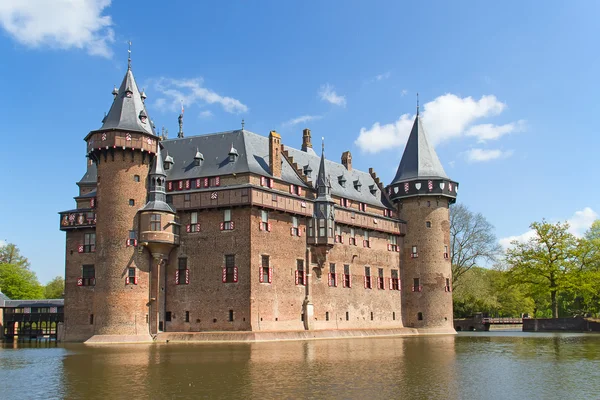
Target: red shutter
197, 227
391, 285
292, 231
299, 191
79, 281
341, 201
260, 275
342, 239
296, 276
299, 231
329, 279
222, 225
350, 281
389, 246
180, 185
187, 276
271, 183
343, 280
364, 243
292, 189
224, 277
92, 200
127, 280
80, 248
206, 182
187, 183
270, 274
198, 183
305, 277
269, 226
135, 280
169, 186
177, 277
218, 181
260, 225
188, 228
127, 243
262, 181
397, 249
365, 279
231, 224
235, 274
335, 240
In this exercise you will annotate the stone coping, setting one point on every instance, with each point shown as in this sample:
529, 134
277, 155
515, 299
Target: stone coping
270, 336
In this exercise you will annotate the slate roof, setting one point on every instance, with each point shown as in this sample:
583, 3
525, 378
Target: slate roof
253, 156
157, 194
125, 111
335, 170
419, 159
90, 176
35, 303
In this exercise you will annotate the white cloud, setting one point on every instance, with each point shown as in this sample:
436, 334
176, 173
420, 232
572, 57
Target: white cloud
191, 92
485, 132
301, 120
383, 76
327, 93
61, 24
206, 114
482, 155
579, 222
444, 118
404, 92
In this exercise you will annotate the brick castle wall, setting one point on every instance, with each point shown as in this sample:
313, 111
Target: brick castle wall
430, 266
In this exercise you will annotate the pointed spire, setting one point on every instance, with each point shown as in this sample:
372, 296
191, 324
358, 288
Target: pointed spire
419, 159
157, 164
180, 119
128, 111
323, 183
157, 194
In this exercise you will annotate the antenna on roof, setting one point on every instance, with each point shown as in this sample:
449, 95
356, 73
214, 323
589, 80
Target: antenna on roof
242, 123
129, 56
417, 104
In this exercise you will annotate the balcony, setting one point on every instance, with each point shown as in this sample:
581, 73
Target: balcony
77, 219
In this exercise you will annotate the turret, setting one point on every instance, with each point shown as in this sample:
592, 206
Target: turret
422, 193
122, 150
321, 226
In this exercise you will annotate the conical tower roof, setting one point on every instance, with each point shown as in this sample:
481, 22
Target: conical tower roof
128, 111
419, 160
157, 163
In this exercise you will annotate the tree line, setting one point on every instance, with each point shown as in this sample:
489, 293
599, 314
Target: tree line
552, 274
18, 281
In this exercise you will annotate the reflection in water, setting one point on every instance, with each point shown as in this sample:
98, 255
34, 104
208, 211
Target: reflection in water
492, 365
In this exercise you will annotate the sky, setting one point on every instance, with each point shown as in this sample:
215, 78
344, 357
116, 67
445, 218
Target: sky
506, 91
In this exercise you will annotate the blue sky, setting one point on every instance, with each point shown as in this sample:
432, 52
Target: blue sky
506, 92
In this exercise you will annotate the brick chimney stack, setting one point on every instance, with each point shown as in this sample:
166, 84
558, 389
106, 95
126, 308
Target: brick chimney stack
306, 143
347, 160
275, 154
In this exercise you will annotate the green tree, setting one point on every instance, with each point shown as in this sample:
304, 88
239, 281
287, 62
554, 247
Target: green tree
472, 241
55, 288
19, 283
544, 262
10, 254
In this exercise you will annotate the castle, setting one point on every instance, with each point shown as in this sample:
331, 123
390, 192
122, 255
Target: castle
234, 231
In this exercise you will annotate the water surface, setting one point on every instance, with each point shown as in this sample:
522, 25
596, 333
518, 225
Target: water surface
486, 365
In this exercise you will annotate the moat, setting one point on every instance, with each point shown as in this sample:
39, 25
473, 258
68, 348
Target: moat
492, 365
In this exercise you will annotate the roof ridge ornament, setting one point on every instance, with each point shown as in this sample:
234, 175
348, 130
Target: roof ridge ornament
417, 104
129, 56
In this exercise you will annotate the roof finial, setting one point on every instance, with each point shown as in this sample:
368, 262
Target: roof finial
242, 123
322, 143
417, 104
129, 56
180, 133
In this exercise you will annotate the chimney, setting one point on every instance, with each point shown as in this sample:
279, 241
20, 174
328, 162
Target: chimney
347, 160
275, 154
306, 139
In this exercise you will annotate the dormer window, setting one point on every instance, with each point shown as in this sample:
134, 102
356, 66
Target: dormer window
143, 116
342, 181
233, 154
128, 92
307, 170
357, 185
373, 189
168, 162
198, 158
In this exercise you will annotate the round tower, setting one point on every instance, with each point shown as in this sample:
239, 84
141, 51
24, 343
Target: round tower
122, 150
422, 193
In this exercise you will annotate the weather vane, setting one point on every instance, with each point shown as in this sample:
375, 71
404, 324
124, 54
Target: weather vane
129, 56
